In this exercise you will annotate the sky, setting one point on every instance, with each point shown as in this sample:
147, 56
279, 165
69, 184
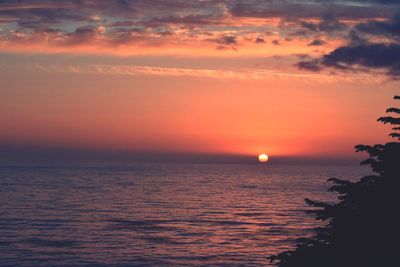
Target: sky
300, 79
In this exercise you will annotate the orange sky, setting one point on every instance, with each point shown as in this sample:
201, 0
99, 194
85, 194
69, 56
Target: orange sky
277, 115
214, 79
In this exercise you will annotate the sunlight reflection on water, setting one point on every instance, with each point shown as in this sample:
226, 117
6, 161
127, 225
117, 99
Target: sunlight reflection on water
157, 215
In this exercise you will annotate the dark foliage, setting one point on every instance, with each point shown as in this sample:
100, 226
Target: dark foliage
362, 227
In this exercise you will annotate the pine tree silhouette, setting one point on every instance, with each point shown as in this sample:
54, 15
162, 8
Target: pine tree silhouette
362, 227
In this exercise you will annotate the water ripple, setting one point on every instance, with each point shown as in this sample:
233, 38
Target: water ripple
155, 215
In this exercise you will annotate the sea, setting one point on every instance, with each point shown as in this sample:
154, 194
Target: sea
158, 214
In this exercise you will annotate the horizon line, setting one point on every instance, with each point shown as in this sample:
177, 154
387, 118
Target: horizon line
17, 155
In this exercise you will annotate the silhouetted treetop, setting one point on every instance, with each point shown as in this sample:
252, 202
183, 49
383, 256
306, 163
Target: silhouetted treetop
361, 228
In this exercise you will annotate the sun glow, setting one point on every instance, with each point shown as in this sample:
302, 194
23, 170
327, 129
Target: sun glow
263, 158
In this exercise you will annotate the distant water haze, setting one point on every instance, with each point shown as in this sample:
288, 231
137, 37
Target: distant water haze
20, 155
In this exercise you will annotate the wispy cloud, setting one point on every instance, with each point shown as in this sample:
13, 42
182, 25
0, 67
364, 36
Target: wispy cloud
240, 74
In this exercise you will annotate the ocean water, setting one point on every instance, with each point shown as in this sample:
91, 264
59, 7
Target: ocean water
157, 214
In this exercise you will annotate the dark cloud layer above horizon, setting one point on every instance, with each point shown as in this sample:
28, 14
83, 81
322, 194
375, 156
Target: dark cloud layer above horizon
37, 14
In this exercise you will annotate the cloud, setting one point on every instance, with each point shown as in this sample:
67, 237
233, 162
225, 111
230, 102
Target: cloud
329, 23
374, 56
223, 74
162, 71
317, 42
311, 65
82, 35
276, 42
308, 9
259, 40
132, 27
33, 14
365, 51
390, 28
227, 40
359, 58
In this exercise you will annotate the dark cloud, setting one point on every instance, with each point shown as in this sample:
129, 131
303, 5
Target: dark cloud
317, 42
366, 49
124, 23
113, 22
326, 27
227, 40
192, 20
40, 12
123, 19
354, 58
35, 13
355, 38
259, 40
82, 35
390, 28
276, 9
125, 36
312, 9
275, 42
223, 47
311, 65
328, 24
371, 56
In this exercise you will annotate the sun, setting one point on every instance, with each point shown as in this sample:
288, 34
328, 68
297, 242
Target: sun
263, 158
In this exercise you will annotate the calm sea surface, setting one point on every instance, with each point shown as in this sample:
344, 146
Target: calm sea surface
157, 214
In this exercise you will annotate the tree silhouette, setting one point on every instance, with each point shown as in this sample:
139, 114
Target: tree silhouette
362, 227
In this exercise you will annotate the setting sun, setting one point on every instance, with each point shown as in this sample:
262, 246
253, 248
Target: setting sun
263, 158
